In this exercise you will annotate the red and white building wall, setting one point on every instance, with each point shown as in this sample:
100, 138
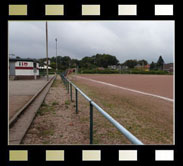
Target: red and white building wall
26, 68
23, 69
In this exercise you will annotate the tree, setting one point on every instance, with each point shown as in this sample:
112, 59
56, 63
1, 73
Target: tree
130, 63
74, 63
86, 62
53, 65
142, 62
98, 60
105, 60
160, 63
65, 62
152, 66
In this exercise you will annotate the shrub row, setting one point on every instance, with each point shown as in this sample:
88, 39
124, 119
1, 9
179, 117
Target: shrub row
109, 71
96, 71
146, 72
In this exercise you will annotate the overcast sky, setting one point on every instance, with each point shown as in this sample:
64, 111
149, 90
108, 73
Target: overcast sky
77, 39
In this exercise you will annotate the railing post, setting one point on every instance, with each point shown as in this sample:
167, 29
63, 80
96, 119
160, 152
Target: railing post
76, 101
65, 82
123, 130
67, 86
71, 91
91, 123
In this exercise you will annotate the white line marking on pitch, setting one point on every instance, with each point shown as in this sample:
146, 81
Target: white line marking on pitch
132, 90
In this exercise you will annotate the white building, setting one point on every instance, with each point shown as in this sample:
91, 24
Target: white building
44, 67
115, 67
49, 62
23, 68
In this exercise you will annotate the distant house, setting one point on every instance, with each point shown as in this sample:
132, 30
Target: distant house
138, 66
168, 67
49, 62
124, 67
20, 68
45, 67
114, 67
100, 68
145, 68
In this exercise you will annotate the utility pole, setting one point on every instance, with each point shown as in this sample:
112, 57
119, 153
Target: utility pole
56, 55
47, 50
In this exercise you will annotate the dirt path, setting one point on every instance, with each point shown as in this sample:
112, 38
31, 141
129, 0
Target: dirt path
57, 122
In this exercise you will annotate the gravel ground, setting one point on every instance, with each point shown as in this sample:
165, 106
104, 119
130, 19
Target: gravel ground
57, 122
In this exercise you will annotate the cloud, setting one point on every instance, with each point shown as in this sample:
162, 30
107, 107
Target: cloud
123, 39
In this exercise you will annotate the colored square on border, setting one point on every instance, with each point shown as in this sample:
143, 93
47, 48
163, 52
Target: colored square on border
18, 155
90, 10
17, 10
127, 10
164, 155
91, 155
54, 10
162, 10
127, 155
54, 155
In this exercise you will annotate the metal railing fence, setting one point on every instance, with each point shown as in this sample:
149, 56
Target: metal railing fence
68, 84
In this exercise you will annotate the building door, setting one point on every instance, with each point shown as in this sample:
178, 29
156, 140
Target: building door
12, 68
35, 68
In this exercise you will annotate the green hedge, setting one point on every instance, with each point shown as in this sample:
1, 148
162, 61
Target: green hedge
96, 71
145, 72
130, 71
52, 71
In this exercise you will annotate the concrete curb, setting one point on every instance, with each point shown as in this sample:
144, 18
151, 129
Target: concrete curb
15, 117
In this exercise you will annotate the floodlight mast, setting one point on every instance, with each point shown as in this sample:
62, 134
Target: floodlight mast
56, 55
47, 50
